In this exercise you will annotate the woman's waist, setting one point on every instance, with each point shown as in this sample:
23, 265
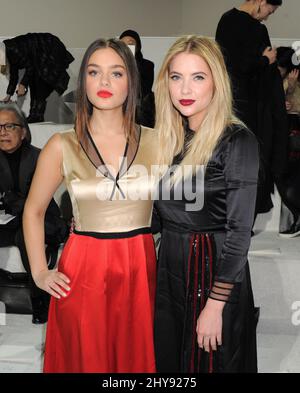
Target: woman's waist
111, 220
115, 234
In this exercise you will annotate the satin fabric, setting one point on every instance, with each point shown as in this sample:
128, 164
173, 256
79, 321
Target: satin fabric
105, 324
90, 190
224, 225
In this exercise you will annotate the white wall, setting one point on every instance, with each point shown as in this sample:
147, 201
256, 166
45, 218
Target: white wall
79, 22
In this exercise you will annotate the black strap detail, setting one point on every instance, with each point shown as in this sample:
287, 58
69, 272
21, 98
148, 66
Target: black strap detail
114, 235
221, 294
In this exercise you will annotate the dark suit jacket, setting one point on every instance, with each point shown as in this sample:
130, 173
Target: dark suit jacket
14, 202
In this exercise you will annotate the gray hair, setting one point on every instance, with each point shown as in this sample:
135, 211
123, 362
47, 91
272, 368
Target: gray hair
13, 107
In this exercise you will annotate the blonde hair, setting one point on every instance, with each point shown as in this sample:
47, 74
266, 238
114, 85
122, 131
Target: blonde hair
219, 116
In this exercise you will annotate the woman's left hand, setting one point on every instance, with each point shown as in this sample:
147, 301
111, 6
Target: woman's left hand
209, 325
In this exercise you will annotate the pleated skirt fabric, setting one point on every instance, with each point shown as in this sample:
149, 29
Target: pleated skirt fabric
183, 278
105, 324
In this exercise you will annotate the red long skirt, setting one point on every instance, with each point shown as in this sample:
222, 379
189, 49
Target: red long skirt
105, 324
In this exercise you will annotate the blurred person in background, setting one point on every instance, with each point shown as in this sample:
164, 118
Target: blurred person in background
146, 110
45, 60
258, 93
288, 66
18, 160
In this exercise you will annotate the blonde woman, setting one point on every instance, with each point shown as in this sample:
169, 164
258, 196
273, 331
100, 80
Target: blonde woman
205, 317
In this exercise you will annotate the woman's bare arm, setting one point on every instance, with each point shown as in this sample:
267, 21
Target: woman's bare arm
46, 180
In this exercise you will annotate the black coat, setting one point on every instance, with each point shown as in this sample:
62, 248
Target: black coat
40, 54
146, 69
146, 115
258, 94
14, 201
146, 107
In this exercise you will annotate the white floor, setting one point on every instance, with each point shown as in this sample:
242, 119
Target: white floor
275, 269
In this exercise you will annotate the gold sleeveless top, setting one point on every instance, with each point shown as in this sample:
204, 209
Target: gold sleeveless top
100, 203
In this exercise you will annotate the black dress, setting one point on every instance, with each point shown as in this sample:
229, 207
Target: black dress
201, 248
259, 98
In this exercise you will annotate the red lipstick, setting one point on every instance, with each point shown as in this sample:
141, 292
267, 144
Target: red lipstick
104, 94
186, 102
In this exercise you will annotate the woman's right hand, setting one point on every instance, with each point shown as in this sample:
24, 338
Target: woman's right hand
271, 54
53, 282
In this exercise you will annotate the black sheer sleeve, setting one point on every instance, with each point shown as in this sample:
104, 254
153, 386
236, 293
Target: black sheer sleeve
241, 171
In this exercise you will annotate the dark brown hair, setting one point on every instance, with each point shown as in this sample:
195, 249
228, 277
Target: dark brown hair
84, 108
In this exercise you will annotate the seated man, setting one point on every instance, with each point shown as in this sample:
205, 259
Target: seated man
18, 160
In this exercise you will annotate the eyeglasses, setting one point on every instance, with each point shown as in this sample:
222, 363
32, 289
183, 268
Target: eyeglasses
10, 127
